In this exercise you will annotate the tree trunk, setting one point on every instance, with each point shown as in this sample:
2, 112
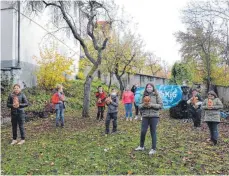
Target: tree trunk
99, 74
208, 73
87, 92
120, 84
110, 80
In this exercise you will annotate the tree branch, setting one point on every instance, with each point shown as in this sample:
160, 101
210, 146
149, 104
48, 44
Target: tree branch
90, 29
104, 44
50, 4
128, 63
75, 34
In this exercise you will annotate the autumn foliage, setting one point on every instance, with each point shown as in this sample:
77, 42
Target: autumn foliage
53, 68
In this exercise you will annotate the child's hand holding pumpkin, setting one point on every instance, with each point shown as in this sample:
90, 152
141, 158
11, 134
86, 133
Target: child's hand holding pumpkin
210, 104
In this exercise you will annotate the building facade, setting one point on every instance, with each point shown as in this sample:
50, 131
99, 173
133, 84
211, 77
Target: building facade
131, 79
23, 35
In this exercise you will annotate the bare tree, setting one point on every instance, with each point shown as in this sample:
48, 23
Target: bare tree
203, 11
127, 56
201, 42
165, 68
123, 55
92, 12
153, 63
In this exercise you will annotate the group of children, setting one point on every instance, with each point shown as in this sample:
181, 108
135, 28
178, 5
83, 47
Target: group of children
149, 106
211, 107
112, 102
17, 101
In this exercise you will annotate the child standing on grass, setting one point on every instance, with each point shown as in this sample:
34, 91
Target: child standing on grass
137, 100
149, 107
101, 96
128, 100
58, 99
212, 105
195, 108
17, 101
112, 113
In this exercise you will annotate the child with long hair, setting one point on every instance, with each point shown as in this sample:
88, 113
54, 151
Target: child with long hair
17, 101
59, 105
149, 107
128, 100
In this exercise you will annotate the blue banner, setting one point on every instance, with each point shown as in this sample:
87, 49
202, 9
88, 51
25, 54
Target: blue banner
170, 94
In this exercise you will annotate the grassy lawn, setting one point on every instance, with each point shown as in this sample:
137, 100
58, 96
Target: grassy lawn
82, 148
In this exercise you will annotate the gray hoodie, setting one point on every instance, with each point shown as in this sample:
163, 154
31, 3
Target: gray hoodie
113, 106
152, 110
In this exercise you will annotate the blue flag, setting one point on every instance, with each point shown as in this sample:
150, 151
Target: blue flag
170, 94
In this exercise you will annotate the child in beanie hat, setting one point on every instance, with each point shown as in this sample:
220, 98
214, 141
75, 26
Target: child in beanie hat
212, 106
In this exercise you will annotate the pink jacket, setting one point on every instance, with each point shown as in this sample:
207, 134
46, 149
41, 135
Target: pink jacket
127, 97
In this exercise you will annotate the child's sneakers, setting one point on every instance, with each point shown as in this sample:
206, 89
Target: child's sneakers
14, 142
127, 119
131, 119
136, 117
21, 142
139, 148
152, 152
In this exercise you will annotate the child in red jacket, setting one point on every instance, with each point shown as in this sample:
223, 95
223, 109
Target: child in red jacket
128, 100
101, 96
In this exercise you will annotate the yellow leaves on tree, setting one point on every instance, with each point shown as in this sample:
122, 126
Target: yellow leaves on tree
220, 75
53, 68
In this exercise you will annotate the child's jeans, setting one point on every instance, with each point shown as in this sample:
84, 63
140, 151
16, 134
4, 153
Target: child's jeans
195, 114
60, 116
128, 109
113, 117
213, 127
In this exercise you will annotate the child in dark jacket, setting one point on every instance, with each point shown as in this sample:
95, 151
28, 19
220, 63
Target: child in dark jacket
17, 101
112, 104
101, 97
195, 108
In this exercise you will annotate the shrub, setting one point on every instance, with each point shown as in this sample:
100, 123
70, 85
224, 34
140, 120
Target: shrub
53, 68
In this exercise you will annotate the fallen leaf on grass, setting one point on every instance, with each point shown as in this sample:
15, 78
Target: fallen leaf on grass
130, 172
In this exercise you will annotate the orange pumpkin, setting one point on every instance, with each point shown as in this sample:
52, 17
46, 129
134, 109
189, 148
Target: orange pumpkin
210, 103
15, 101
146, 99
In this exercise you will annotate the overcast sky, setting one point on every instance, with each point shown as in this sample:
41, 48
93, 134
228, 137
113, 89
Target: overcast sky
157, 21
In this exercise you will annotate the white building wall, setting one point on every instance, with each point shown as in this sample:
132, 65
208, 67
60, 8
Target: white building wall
7, 35
35, 35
